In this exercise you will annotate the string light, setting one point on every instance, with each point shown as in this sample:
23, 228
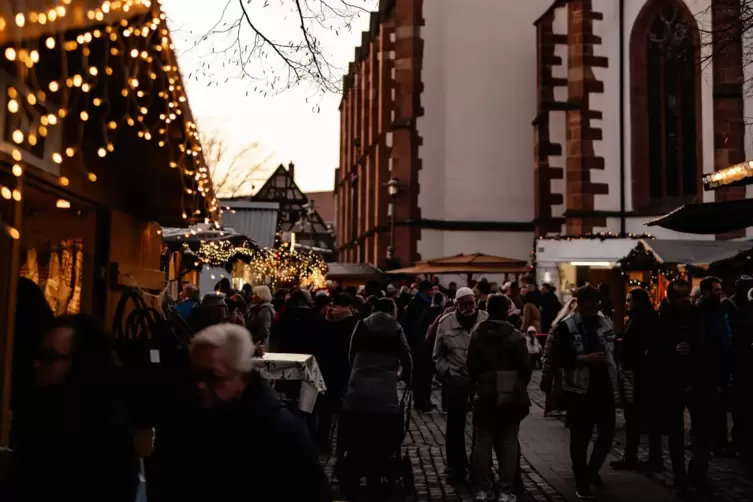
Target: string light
147, 40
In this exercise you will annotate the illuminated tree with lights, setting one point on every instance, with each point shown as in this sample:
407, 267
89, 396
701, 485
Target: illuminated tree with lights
277, 44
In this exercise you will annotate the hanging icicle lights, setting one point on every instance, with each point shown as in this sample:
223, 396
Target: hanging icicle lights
136, 64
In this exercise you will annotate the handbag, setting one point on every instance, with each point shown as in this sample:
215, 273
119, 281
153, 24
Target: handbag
508, 387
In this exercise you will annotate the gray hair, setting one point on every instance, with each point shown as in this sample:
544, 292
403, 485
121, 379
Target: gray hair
233, 341
263, 293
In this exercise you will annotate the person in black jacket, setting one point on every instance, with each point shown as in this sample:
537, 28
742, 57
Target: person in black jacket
631, 355
299, 328
740, 309
333, 361
235, 436
416, 335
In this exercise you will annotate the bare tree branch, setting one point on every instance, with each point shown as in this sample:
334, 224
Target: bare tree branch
232, 173
256, 40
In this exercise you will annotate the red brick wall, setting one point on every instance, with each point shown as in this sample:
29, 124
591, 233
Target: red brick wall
367, 116
580, 134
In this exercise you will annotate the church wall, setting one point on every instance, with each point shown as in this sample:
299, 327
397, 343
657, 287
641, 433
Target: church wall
477, 99
557, 134
607, 102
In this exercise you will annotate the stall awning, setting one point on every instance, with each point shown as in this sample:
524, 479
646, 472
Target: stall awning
476, 263
338, 271
708, 218
693, 252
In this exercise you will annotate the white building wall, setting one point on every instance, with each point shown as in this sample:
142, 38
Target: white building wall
479, 99
748, 115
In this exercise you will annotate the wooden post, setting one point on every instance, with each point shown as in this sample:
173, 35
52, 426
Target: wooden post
8, 299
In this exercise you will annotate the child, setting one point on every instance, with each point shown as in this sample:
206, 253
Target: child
534, 347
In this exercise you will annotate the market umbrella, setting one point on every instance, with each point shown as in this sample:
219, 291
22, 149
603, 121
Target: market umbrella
476, 263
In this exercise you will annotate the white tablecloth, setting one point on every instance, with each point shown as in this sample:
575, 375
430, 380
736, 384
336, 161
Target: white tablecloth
277, 367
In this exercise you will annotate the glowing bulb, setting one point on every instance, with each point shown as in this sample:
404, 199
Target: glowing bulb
77, 80
20, 20
112, 125
84, 116
101, 152
57, 158
6, 193
63, 204
135, 53
32, 99
42, 130
32, 139
131, 122
63, 181
13, 106
16, 154
17, 195
86, 87
92, 177
61, 113
18, 136
10, 54
50, 43
110, 147
52, 119
93, 71
70, 152
97, 101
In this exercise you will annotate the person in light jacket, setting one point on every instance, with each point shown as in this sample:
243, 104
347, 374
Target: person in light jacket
450, 350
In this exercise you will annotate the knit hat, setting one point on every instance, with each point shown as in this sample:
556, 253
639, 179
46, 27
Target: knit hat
464, 292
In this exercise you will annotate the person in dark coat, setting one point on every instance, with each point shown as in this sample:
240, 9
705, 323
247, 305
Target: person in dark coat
631, 357
234, 431
299, 328
334, 362
72, 437
740, 309
371, 426
416, 335
550, 306
499, 369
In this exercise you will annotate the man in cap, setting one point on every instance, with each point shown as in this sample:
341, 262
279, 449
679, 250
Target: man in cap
450, 351
411, 322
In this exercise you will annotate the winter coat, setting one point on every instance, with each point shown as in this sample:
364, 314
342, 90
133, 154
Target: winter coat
427, 319
212, 454
297, 332
497, 346
70, 447
260, 322
334, 353
668, 371
550, 307
531, 317
640, 328
411, 319
378, 349
451, 345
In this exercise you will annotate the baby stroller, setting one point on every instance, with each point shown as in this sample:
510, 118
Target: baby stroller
371, 447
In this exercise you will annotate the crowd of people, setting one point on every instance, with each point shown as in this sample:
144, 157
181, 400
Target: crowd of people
219, 420
692, 353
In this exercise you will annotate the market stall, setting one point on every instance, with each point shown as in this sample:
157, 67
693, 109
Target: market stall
97, 144
303, 368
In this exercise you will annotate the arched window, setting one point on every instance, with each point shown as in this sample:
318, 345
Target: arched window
665, 106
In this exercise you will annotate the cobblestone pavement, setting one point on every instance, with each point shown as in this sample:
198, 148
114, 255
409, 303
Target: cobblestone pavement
730, 481
425, 447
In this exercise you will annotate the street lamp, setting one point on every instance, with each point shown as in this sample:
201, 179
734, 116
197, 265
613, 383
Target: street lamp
393, 188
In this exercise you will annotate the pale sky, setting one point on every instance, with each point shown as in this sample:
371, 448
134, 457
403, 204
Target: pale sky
284, 125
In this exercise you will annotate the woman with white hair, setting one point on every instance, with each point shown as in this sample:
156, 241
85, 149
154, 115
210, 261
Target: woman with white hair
236, 428
261, 314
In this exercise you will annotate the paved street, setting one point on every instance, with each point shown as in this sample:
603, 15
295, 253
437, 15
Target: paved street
546, 465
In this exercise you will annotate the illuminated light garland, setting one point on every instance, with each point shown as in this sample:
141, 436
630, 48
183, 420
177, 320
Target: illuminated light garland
146, 34
731, 174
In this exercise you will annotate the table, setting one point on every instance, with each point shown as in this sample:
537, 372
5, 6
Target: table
281, 367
